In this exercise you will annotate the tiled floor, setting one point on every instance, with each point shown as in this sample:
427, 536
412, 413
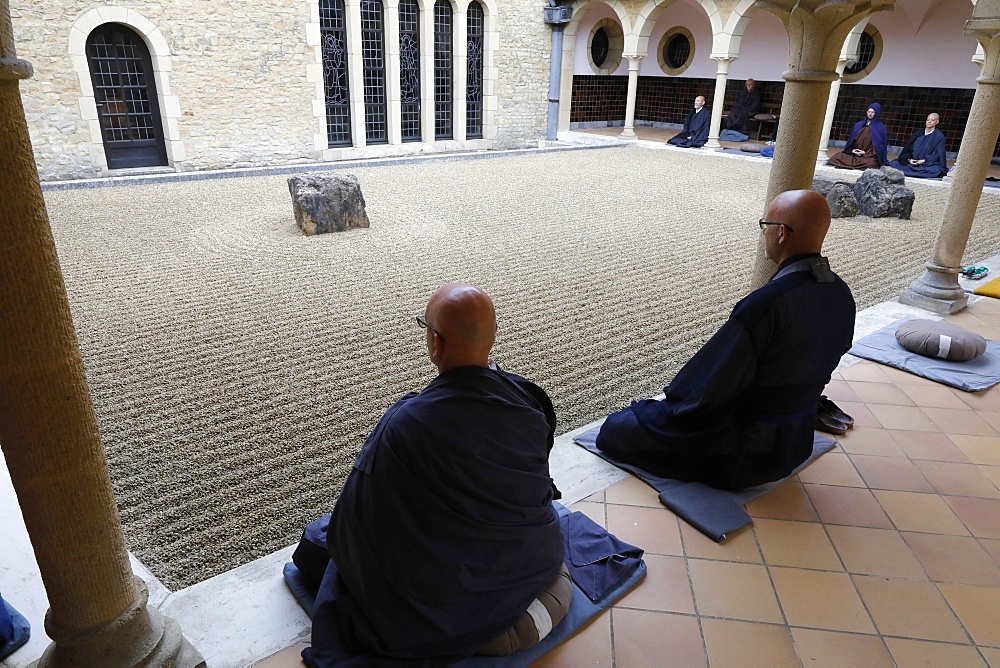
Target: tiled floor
886, 551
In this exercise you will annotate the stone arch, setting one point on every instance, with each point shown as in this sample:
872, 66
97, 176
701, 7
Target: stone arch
637, 43
159, 53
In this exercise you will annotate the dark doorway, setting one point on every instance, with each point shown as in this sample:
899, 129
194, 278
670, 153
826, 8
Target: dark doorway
125, 92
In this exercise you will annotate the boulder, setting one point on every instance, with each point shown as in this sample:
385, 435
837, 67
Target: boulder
879, 196
327, 203
841, 199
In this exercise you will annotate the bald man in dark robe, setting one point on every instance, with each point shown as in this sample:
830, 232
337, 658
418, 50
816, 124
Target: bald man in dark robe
444, 542
741, 412
694, 134
924, 156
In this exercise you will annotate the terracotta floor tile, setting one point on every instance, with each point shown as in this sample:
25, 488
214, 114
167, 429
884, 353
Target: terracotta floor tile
591, 646
734, 591
929, 445
982, 516
979, 306
870, 441
866, 371
992, 473
902, 417
829, 649
745, 644
913, 653
594, 511
796, 544
979, 610
875, 552
646, 638
833, 468
952, 421
788, 501
862, 416
992, 655
847, 505
653, 529
957, 559
933, 396
924, 513
596, 497
800, 591
901, 377
633, 492
987, 400
992, 547
992, 418
741, 546
880, 393
840, 390
665, 587
971, 322
979, 449
290, 657
958, 479
897, 473
909, 609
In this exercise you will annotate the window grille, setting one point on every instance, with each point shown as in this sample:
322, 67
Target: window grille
373, 60
120, 90
336, 89
443, 66
678, 51
474, 81
409, 69
866, 52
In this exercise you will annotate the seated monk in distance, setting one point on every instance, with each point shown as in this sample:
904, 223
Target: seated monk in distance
741, 412
444, 536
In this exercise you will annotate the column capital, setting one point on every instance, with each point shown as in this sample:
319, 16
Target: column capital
634, 58
986, 30
13, 69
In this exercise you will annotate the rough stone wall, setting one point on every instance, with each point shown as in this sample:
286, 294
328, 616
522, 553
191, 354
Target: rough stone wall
238, 69
522, 61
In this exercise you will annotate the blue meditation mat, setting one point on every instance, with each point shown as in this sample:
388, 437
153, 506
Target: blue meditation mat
14, 629
717, 513
972, 376
621, 574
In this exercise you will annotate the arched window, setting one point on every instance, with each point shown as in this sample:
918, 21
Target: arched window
373, 61
409, 68
125, 92
599, 47
474, 80
336, 89
442, 71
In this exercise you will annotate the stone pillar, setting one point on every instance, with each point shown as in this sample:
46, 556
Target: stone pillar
831, 106
460, 70
718, 101
937, 289
97, 608
816, 33
555, 72
393, 86
356, 74
633, 85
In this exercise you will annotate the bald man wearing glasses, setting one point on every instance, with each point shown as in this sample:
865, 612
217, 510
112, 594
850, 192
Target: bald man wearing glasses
742, 411
444, 542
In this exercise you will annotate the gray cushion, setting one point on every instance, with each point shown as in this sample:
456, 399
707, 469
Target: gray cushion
751, 147
934, 338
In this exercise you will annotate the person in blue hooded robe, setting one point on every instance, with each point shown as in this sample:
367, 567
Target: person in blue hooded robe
867, 144
742, 411
444, 533
924, 156
694, 134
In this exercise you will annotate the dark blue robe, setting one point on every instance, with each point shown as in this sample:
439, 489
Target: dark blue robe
927, 147
695, 131
747, 104
444, 532
742, 411
879, 138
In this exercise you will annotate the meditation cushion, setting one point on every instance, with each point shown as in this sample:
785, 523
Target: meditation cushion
751, 147
934, 338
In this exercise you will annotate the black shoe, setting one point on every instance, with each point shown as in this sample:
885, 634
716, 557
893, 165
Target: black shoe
827, 407
830, 425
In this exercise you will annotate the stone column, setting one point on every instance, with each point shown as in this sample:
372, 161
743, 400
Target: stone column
393, 86
816, 33
356, 74
633, 85
937, 289
97, 608
718, 101
831, 107
460, 70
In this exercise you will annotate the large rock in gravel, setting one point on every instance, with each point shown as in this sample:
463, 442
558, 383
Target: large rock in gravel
881, 194
839, 195
327, 203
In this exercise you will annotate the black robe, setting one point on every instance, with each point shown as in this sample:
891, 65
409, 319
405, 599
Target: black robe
695, 131
927, 147
747, 104
444, 532
742, 411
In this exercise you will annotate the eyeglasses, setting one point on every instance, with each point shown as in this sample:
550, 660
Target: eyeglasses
423, 323
764, 223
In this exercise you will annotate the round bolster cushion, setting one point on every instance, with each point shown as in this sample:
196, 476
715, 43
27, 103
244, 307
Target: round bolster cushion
751, 147
765, 117
934, 338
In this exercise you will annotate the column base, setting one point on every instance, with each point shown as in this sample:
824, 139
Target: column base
713, 145
628, 134
139, 636
937, 291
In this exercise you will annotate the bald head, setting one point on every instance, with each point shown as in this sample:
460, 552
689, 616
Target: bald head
805, 218
465, 326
